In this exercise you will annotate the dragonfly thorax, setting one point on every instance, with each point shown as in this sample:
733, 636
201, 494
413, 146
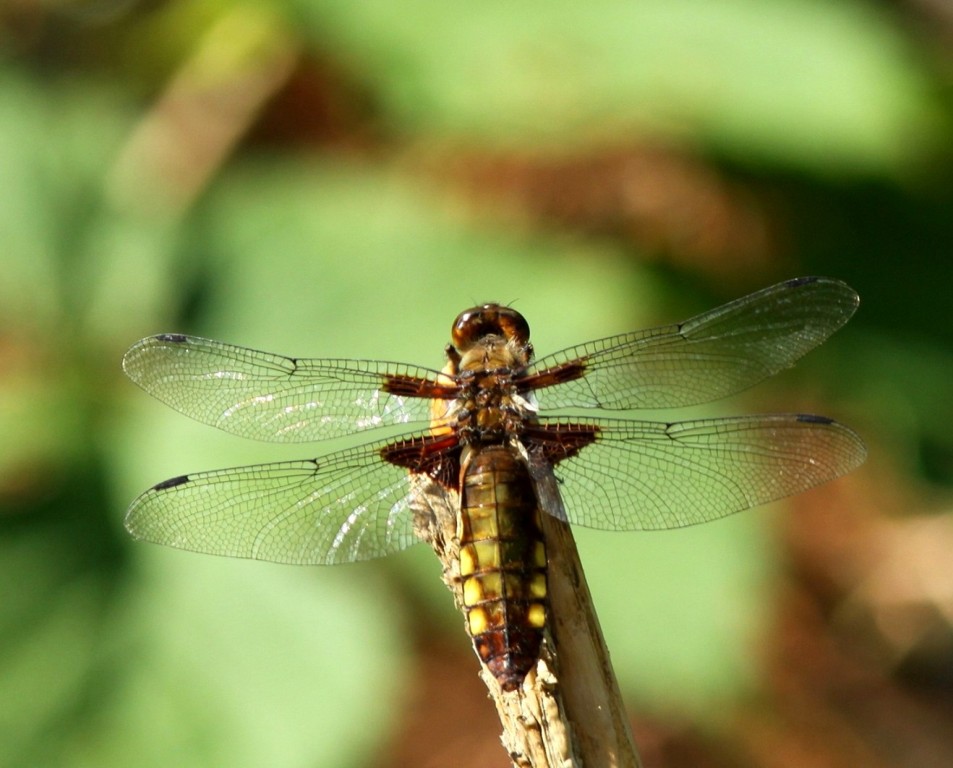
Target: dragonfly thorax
491, 410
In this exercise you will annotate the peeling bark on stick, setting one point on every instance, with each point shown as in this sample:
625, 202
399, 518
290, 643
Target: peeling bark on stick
568, 713
593, 707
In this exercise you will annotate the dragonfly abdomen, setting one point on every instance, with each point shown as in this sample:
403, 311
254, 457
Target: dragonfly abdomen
502, 563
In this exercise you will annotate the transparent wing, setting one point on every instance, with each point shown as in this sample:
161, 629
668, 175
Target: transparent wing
268, 397
708, 357
641, 475
347, 506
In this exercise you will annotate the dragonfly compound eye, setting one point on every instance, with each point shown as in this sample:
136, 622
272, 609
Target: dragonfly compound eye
473, 324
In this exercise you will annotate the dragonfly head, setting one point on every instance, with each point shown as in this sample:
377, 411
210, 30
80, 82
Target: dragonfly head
475, 324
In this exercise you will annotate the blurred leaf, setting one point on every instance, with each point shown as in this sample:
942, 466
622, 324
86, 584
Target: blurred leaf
210, 663
331, 260
160, 40
48, 631
902, 387
35, 174
80, 260
244, 664
682, 611
40, 422
76, 269
829, 87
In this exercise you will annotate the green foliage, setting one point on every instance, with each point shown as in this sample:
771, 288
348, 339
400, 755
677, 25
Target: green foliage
112, 653
826, 86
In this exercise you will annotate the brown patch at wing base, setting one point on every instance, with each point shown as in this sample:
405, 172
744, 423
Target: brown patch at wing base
559, 440
437, 456
414, 386
558, 374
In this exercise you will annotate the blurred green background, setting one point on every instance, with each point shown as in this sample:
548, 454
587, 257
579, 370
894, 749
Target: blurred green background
325, 178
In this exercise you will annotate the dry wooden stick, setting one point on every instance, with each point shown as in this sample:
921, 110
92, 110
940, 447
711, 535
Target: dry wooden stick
568, 713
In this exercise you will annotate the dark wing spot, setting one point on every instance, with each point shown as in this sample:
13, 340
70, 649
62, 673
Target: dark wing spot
172, 482
809, 418
799, 281
175, 338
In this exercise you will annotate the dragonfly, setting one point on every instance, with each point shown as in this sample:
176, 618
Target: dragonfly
494, 439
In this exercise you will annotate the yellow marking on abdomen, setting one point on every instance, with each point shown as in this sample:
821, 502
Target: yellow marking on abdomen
539, 554
477, 621
536, 616
472, 591
537, 585
479, 556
